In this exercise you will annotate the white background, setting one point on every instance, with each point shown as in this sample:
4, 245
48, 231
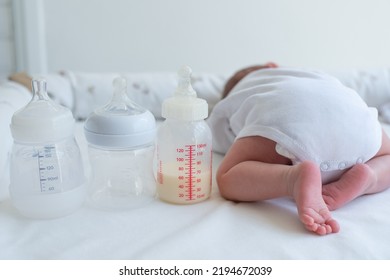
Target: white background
216, 36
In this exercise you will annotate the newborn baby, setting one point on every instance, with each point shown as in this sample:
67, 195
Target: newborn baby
298, 133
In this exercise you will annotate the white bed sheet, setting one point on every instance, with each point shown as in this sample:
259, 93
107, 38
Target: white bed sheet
214, 229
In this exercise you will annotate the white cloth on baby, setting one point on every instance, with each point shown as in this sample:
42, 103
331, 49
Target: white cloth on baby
309, 114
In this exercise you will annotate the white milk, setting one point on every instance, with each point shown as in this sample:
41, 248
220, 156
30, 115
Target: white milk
168, 187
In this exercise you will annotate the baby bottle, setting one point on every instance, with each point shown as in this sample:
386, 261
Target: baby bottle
46, 171
121, 138
184, 146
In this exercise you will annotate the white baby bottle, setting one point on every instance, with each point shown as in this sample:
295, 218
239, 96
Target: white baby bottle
46, 172
121, 137
184, 146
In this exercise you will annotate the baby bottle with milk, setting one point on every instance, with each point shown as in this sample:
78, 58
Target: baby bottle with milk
184, 146
121, 137
46, 172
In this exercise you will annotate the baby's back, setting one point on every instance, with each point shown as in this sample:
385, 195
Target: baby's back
309, 114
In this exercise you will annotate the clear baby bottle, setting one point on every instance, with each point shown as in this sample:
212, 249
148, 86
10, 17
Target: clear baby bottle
121, 138
46, 172
184, 146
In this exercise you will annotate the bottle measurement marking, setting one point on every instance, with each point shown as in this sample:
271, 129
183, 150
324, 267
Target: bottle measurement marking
48, 169
190, 182
189, 158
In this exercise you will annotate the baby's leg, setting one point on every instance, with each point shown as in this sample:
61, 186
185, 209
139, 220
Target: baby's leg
252, 171
368, 178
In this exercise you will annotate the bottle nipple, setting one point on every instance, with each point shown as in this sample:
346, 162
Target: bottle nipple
120, 103
184, 105
119, 96
42, 119
120, 86
39, 87
184, 87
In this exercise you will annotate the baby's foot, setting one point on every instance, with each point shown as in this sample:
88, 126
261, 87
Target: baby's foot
312, 210
355, 182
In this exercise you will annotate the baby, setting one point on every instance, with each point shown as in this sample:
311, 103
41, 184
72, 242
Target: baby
300, 134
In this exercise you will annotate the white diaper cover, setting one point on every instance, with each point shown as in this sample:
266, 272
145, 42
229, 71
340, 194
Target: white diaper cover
311, 118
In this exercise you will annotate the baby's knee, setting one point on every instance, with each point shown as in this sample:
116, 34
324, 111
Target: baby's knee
219, 178
223, 183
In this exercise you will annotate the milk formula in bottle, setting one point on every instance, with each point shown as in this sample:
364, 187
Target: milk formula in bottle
183, 147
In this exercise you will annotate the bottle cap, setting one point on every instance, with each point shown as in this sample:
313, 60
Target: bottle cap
184, 105
120, 124
41, 120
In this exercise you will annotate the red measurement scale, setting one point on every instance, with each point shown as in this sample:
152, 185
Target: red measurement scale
189, 171
189, 179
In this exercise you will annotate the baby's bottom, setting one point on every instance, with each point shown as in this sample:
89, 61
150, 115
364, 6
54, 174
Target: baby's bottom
252, 171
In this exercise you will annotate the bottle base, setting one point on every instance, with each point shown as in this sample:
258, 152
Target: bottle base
107, 199
50, 206
182, 202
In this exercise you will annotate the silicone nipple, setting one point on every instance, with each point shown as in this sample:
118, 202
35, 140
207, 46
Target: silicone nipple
39, 88
41, 119
120, 103
40, 103
184, 87
184, 105
120, 86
